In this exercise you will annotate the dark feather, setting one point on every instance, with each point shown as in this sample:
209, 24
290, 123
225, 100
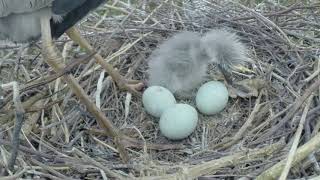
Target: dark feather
62, 7
72, 17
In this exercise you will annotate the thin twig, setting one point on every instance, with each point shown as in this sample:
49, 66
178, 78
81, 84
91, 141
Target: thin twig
296, 140
301, 153
19, 113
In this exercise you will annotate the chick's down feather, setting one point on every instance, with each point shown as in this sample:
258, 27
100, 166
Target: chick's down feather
224, 49
180, 63
177, 64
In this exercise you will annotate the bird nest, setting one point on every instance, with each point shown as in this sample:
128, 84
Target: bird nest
268, 129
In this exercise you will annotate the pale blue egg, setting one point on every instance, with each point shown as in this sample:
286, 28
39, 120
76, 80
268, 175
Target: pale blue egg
156, 99
212, 97
178, 121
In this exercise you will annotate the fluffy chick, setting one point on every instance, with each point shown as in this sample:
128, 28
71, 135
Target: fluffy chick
224, 49
178, 63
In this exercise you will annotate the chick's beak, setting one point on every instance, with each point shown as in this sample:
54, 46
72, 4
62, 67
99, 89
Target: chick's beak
227, 75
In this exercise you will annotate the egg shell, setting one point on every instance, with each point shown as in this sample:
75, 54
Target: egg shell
156, 99
178, 121
212, 97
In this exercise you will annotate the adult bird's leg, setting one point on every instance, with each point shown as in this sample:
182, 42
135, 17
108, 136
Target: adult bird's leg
132, 87
55, 60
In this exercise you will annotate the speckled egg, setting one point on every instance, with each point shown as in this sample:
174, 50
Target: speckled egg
212, 97
156, 99
178, 121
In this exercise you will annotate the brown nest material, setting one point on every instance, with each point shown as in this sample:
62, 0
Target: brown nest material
269, 127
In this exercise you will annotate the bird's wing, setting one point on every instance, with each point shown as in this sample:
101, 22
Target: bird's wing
73, 15
8, 7
62, 7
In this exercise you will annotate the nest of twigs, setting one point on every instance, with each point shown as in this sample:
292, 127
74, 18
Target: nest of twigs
269, 128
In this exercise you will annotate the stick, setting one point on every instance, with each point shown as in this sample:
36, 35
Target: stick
296, 139
302, 153
19, 113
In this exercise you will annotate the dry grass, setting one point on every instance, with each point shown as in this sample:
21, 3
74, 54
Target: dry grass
250, 138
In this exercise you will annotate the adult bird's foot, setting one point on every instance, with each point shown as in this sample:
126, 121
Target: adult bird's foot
133, 86
128, 85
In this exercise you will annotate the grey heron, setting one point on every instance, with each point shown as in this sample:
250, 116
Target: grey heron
180, 63
27, 20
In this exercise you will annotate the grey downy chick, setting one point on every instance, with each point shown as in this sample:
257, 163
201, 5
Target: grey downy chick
225, 50
178, 64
